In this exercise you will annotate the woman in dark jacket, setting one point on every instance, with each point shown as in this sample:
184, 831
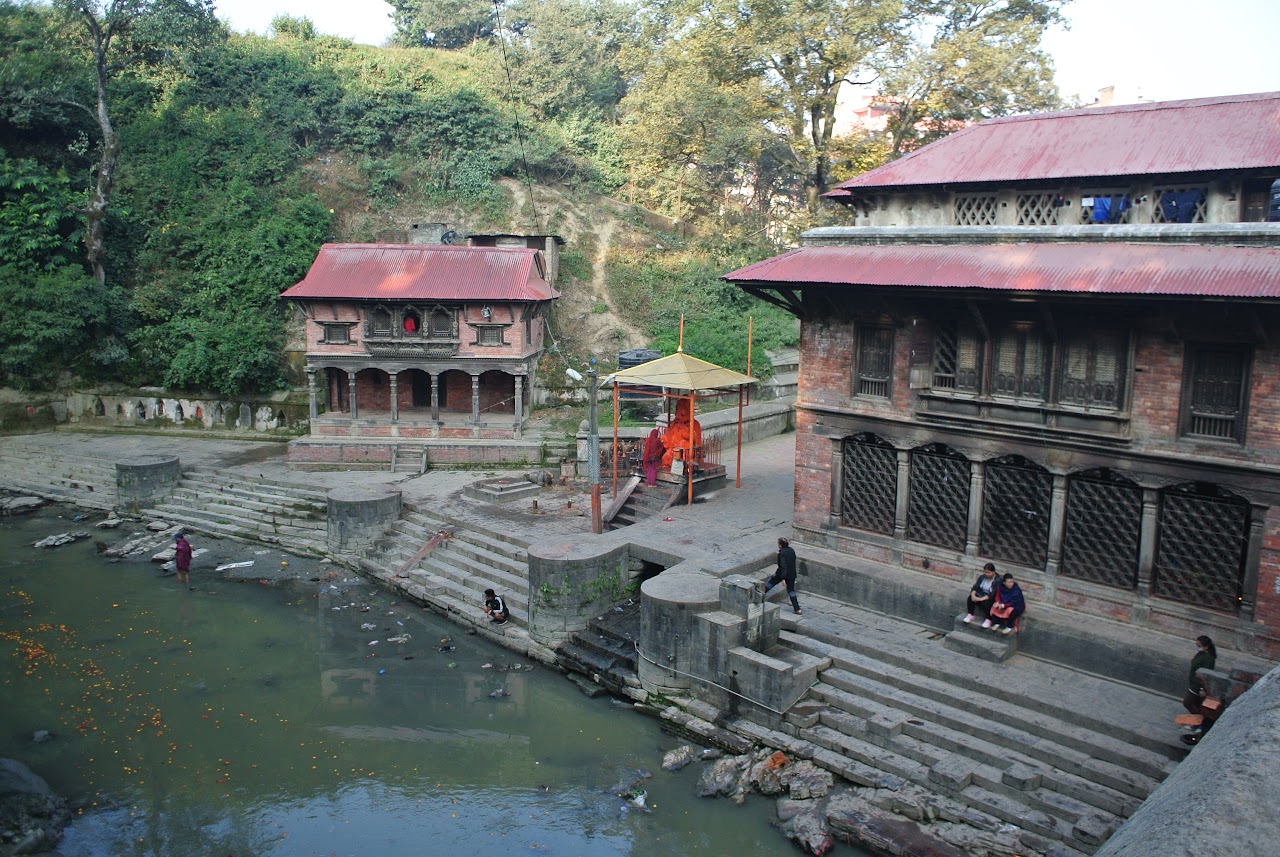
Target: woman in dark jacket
982, 595
1205, 658
1010, 595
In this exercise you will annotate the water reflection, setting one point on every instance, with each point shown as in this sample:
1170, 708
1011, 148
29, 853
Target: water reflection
322, 718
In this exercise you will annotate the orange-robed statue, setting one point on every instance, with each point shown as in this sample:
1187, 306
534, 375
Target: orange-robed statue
678, 433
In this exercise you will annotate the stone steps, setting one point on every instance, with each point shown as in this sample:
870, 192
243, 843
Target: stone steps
82, 480
1006, 722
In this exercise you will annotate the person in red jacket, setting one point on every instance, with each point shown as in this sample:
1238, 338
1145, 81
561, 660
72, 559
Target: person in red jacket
182, 558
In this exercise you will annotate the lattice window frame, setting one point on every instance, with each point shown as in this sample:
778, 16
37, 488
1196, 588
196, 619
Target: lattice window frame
1202, 547
957, 358
1211, 408
1016, 506
873, 374
869, 484
1103, 529
1201, 209
975, 209
1085, 216
1038, 209
938, 497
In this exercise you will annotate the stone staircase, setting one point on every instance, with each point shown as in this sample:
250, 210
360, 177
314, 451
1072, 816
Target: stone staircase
605, 651
455, 573
247, 509
645, 502
896, 709
39, 471
408, 458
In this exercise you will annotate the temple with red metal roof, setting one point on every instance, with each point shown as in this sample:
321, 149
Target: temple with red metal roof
422, 345
1052, 342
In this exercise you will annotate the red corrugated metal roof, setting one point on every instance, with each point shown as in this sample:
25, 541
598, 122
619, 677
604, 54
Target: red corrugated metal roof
1204, 134
423, 272
1118, 269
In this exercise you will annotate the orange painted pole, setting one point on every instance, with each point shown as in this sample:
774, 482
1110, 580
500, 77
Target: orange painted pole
688, 465
680, 347
615, 439
738, 478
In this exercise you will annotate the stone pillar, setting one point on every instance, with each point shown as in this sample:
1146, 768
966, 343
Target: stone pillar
475, 398
395, 396
435, 396
311, 395
519, 403
904, 495
358, 516
146, 479
1147, 540
837, 486
351, 395
977, 479
1253, 557
1057, 523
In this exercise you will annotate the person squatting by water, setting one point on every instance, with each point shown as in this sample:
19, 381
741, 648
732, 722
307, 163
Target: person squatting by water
982, 596
495, 608
182, 558
786, 573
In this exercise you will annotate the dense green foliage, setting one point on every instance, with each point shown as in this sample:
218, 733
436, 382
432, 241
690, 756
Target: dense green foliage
159, 190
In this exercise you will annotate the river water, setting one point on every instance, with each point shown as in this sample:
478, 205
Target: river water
248, 718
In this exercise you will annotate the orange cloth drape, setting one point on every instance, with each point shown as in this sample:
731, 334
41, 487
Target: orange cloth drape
677, 435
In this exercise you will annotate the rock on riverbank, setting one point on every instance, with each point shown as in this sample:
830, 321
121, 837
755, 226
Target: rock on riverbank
31, 815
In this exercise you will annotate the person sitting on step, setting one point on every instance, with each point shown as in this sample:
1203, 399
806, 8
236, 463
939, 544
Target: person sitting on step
1008, 607
982, 596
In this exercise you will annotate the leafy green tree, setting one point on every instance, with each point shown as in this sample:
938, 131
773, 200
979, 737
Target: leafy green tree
442, 23
980, 59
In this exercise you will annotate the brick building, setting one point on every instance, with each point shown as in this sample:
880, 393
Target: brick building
1053, 342
423, 341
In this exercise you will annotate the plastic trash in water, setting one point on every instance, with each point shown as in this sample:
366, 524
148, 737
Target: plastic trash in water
382, 672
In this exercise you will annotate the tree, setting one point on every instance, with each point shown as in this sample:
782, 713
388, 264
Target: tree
442, 23
973, 61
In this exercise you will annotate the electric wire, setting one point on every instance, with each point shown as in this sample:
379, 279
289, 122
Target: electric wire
515, 113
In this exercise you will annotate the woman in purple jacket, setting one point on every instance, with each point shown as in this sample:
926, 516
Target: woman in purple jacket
1009, 595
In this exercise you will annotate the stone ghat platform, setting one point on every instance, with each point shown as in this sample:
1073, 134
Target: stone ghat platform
414, 455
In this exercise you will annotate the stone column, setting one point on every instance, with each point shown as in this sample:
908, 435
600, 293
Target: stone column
904, 495
1252, 559
351, 395
475, 398
1057, 523
435, 396
519, 403
1147, 540
977, 478
311, 395
395, 396
837, 486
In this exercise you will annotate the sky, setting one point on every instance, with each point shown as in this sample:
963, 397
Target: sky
1153, 50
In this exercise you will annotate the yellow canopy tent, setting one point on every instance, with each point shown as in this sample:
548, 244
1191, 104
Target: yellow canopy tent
680, 376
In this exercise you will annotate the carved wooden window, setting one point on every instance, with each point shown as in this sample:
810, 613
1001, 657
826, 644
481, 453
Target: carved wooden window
1015, 511
1215, 387
411, 322
1179, 205
1020, 363
875, 361
1203, 545
957, 358
380, 321
336, 334
1093, 370
1038, 209
1103, 526
869, 493
440, 324
938, 507
490, 335
972, 209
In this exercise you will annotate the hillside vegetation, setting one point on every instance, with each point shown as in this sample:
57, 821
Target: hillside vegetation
162, 180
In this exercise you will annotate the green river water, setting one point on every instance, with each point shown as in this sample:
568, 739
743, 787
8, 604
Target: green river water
244, 718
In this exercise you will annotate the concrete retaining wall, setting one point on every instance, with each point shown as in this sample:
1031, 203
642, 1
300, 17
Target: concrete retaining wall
1222, 798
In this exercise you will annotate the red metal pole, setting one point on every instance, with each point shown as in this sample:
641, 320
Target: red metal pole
615, 439
738, 478
688, 465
